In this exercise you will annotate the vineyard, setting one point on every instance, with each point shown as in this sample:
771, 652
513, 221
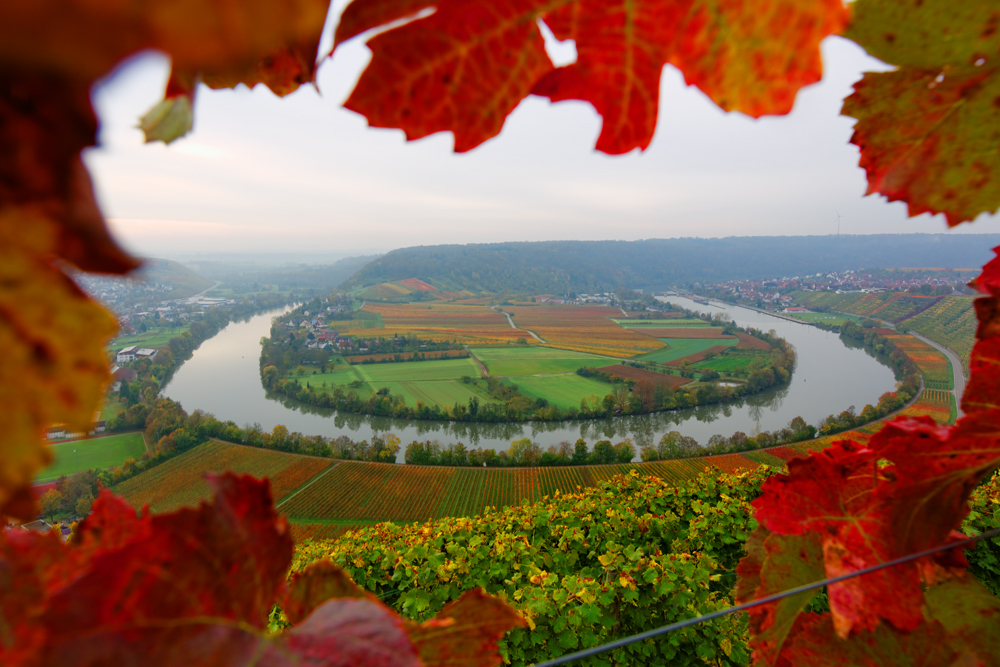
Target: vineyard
947, 320
583, 328
950, 322
446, 322
181, 481
934, 365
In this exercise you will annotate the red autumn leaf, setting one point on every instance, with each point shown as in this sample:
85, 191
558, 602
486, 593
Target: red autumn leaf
928, 131
816, 644
197, 584
465, 632
196, 587
26, 562
971, 616
463, 69
962, 628
983, 390
936, 468
317, 583
776, 563
466, 66
834, 493
345, 633
360, 17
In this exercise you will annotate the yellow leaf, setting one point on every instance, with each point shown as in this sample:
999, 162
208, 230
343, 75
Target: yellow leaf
53, 368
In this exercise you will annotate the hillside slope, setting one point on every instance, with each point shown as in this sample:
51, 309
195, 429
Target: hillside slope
183, 281
597, 266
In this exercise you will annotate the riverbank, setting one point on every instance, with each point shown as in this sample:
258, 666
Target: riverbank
223, 378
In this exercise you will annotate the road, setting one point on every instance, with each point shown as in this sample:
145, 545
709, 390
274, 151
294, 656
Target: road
956, 367
514, 326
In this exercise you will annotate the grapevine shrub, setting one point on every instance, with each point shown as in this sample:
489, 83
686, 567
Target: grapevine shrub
630, 555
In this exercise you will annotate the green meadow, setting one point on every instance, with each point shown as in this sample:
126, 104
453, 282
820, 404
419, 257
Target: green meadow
682, 347
825, 318
563, 391
154, 337
100, 452
726, 364
434, 369
506, 362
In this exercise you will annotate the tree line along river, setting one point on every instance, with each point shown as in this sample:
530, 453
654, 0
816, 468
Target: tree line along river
222, 377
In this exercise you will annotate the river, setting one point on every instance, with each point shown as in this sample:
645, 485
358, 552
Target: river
222, 378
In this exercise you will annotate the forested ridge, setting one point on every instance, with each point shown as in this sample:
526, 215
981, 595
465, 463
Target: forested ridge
595, 266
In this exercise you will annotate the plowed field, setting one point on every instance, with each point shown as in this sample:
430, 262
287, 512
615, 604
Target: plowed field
698, 356
748, 342
631, 373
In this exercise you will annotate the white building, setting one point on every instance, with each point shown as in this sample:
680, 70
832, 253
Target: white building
126, 354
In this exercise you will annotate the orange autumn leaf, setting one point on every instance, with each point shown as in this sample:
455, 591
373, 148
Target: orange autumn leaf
928, 130
54, 367
466, 66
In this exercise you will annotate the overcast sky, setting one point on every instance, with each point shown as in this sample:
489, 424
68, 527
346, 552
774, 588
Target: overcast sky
303, 175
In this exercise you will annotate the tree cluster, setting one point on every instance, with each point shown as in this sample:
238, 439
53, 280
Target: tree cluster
522, 453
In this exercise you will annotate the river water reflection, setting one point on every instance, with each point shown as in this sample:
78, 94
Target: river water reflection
222, 378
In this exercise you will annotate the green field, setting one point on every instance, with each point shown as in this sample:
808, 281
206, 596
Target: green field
825, 318
661, 324
725, 364
409, 371
101, 452
333, 379
111, 407
435, 382
563, 391
682, 347
505, 362
152, 338
441, 392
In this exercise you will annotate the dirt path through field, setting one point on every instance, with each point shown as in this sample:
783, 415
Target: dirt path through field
482, 366
514, 326
307, 484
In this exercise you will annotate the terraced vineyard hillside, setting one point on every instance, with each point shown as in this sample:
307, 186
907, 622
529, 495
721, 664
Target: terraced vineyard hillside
324, 498
948, 320
180, 482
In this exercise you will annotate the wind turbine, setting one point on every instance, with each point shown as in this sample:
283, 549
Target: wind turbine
839, 216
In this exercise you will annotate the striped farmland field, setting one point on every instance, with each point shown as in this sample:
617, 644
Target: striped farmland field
181, 482
361, 490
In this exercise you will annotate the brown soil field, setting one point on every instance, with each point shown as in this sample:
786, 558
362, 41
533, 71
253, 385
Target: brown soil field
434, 354
682, 332
630, 373
698, 356
748, 342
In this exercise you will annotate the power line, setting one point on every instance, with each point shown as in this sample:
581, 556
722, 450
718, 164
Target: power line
649, 634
